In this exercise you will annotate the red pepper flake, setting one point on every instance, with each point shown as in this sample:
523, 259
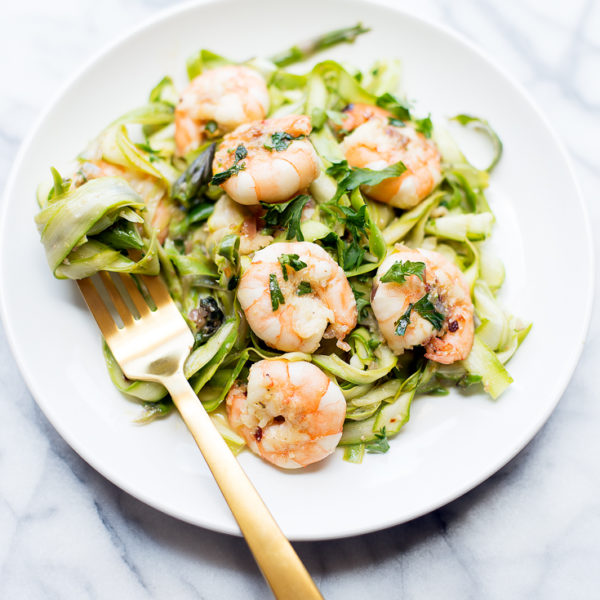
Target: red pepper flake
279, 419
453, 326
258, 434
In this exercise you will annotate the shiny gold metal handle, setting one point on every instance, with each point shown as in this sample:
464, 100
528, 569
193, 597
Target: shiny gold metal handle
278, 561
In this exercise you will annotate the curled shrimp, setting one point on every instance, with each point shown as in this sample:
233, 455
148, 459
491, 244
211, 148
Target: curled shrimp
230, 217
224, 97
294, 312
290, 413
159, 205
444, 285
375, 143
280, 162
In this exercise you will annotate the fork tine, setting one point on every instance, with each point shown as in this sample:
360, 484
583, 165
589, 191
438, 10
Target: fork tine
97, 307
158, 290
115, 296
135, 295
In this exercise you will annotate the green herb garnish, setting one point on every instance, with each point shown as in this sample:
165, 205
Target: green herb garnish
352, 252
281, 140
398, 108
380, 445
356, 222
211, 126
401, 269
304, 288
353, 255
362, 304
290, 260
349, 178
276, 294
424, 126
426, 309
240, 154
287, 214
403, 322
396, 122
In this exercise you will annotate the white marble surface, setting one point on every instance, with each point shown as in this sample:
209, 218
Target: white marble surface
531, 531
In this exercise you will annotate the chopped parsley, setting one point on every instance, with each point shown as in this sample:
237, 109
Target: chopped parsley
281, 140
424, 126
396, 122
352, 252
240, 154
276, 294
349, 178
425, 308
356, 222
362, 304
332, 240
380, 445
401, 113
304, 288
404, 321
353, 255
398, 108
287, 214
290, 260
211, 126
398, 272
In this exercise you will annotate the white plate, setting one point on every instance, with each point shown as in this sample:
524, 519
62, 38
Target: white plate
451, 443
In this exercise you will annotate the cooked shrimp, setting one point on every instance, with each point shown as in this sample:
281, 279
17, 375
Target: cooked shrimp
316, 300
376, 144
356, 114
230, 217
226, 96
159, 205
290, 413
445, 287
280, 161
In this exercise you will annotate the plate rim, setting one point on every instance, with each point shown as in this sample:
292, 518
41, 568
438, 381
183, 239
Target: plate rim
441, 29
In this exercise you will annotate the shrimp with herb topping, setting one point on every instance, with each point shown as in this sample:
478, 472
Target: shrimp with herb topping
289, 413
294, 294
267, 161
420, 298
218, 101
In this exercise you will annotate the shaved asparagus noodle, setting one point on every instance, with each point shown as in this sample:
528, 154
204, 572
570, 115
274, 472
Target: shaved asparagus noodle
305, 50
137, 201
483, 125
70, 221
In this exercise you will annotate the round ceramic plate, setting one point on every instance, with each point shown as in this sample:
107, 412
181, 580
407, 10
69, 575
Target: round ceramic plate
451, 443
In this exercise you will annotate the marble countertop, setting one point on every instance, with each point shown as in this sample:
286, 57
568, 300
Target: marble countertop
531, 531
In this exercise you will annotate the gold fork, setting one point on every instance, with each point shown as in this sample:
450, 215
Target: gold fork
153, 346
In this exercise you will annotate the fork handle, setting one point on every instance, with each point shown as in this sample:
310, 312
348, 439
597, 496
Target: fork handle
279, 563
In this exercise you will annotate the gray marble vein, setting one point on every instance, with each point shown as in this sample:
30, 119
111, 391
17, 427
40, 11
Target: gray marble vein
531, 531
